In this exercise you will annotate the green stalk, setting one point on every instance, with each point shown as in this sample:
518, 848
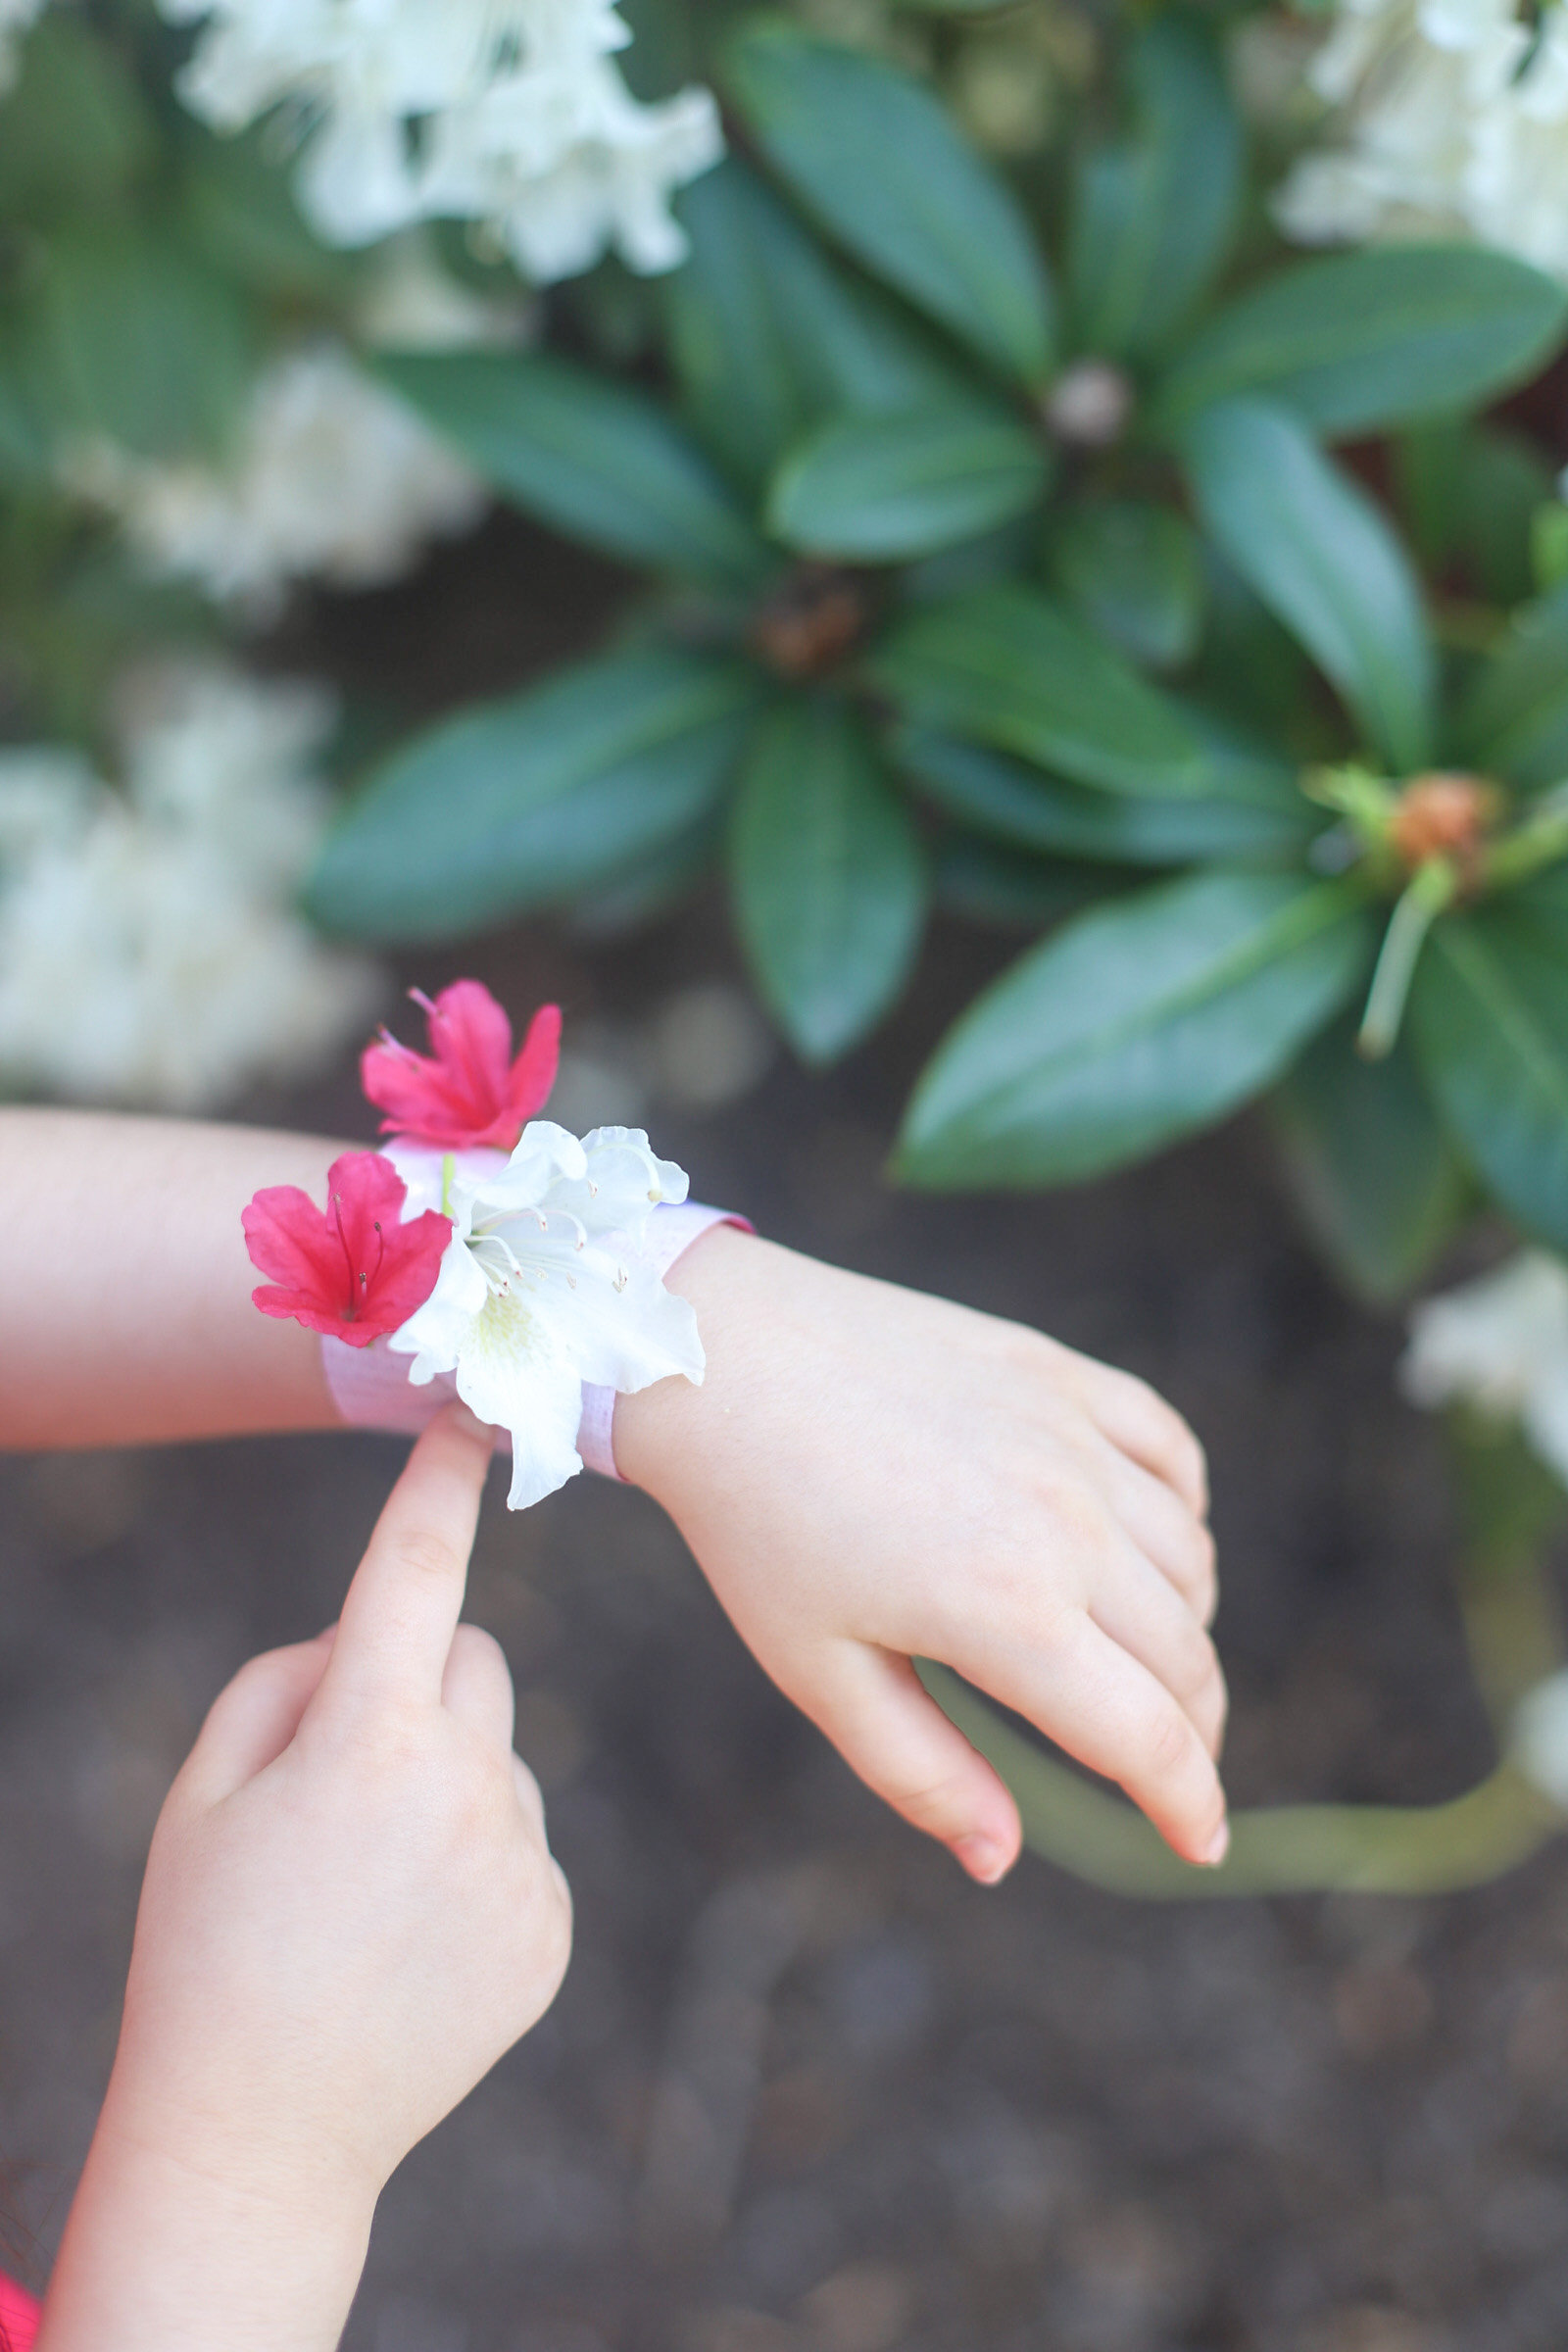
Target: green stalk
1539, 842
1285, 1849
1432, 888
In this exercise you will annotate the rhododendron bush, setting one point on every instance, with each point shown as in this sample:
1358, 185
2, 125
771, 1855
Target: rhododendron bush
1015, 521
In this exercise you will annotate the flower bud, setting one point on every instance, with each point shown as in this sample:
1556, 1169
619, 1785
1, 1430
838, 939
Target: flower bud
1089, 404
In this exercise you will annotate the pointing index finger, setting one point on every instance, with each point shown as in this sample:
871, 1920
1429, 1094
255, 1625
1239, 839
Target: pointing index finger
402, 1609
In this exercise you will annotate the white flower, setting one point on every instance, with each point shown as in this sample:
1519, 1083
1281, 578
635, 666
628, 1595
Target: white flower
503, 111
1538, 1746
410, 303
1501, 1345
541, 1289
332, 478
1450, 117
149, 951
17, 17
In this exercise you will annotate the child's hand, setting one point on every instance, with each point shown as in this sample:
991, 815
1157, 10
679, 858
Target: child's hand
350, 1912
869, 1475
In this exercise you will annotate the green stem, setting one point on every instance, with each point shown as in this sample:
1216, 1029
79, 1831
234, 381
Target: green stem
1286, 1849
1539, 842
1432, 887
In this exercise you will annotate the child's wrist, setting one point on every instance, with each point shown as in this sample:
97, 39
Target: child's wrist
659, 1431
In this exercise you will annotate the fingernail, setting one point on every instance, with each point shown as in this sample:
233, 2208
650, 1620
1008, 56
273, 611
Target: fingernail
1218, 1846
982, 1857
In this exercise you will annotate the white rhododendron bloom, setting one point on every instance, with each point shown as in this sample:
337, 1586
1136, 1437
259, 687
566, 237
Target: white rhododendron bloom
16, 17
542, 1289
1450, 118
333, 479
1538, 1746
508, 111
1499, 1344
149, 951
409, 302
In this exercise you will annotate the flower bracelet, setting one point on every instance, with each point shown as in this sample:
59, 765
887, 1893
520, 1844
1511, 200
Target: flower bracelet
486, 1252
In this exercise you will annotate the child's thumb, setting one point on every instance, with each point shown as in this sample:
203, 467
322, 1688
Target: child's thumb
879, 1717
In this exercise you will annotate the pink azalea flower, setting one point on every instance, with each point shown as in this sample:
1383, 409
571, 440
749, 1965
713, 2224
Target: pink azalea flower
471, 1092
355, 1271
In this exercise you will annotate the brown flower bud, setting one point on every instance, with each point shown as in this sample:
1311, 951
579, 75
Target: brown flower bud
816, 615
1440, 815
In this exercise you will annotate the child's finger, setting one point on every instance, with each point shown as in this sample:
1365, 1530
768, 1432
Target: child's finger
1096, 1700
1135, 1604
1127, 1411
477, 1686
873, 1708
402, 1609
254, 1718
1164, 1529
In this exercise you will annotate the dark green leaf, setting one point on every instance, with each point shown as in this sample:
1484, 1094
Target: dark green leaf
878, 489
1317, 552
74, 130
768, 336
1154, 218
1514, 720
1006, 667
1019, 805
1136, 1024
527, 802
874, 156
1376, 1177
1135, 573
130, 339
658, 884
1471, 493
238, 204
1363, 341
1490, 1012
599, 462
981, 882
830, 885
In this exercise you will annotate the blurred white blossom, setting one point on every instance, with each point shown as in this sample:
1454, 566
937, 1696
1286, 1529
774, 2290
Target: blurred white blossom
409, 302
15, 19
1538, 1746
1501, 1345
1447, 117
149, 948
507, 112
332, 478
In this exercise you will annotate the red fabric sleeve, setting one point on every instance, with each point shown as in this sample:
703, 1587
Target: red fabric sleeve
19, 2318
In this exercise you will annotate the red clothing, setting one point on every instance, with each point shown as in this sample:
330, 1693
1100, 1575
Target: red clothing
18, 2318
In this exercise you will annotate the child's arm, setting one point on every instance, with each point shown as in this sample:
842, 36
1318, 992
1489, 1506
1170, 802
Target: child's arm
866, 1475
125, 1313
350, 1912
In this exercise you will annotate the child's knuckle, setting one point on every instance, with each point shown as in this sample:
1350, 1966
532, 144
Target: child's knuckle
424, 1553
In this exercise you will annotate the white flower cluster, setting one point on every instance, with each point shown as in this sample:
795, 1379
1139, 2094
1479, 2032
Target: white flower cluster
332, 478
1451, 117
542, 1287
15, 19
1501, 1345
149, 949
507, 112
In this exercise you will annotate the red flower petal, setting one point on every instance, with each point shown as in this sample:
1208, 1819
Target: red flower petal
355, 1270
468, 1091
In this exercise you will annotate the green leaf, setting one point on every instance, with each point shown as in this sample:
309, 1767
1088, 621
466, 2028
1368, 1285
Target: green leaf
768, 336
1514, 720
1135, 573
527, 802
130, 338
1136, 1024
981, 882
1471, 493
830, 884
1362, 341
1006, 667
74, 130
238, 206
1154, 218
1489, 1011
1319, 555
599, 462
877, 160
879, 489
1374, 1174
1019, 805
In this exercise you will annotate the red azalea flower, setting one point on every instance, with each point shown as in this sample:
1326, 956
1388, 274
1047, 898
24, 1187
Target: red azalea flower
473, 1091
358, 1269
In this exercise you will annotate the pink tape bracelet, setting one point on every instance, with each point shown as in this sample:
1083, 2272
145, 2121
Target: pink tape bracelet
371, 1386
